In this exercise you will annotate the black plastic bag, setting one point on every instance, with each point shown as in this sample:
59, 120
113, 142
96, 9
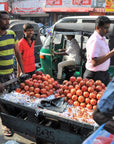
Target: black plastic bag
56, 104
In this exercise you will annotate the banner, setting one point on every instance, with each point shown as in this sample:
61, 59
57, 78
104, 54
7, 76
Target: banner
109, 6
4, 6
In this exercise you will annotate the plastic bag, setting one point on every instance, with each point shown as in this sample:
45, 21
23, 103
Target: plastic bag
11, 142
100, 136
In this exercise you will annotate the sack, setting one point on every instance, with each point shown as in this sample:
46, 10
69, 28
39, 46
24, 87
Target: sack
100, 136
106, 103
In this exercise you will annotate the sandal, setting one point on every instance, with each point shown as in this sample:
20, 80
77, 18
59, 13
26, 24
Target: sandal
7, 132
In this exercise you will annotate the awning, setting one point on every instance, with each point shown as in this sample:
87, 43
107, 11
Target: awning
35, 15
77, 9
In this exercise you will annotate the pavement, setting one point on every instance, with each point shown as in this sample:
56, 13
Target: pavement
16, 137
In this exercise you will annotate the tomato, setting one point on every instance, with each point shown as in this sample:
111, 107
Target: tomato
45, 83
86, 94
22, 85
78, 79
26, 87
92, 95
36, 90
56, 95
38, 72
84, 88
41, 85
22, 91
69, 95
91, 80
43, 91
60, 91
75, 83
27, 93
47, 88
98, 88
65, 87
77, 86
76, 103
89, 83
18, 90
32, 93
34, 76
37, 95
66, 92
48, 76
36, 84
52, 79
90, 89
82, 104
82, 82
74, 97
98, 82
30, 83
98, 96
72, 79
27, 81
93, 101
79, 92
87, 100
31, 89
73, 91
70, 87
103, 86
70, 102
50, 86
65, 81
39, 77
94, 107
81, 99
89, 106
44, 78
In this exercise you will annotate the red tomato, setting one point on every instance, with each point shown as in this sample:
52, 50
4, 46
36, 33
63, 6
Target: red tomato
89, 83
84, 88
76, 103
73, 91
22, 85
30, 83
22, 92
18, 90
82, 82
98, 82
32, 93
60, 91
65, 81
70, 102
90, 89
92, 95
34, 76
66, 92
37, 95
27, 81
36, 90
74, 97
98, 88
72, 79
82, 104
26, 87
93, 101
87, 100
44, 78
36, 84
77, 86
81, 99
86, 94
78, 79
31, 89
38, 72
48, 76
79, 92
43, 91
34, 80
69, 95
98, 96
89, 106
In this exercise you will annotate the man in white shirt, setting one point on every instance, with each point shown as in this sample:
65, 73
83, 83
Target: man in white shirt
73, 55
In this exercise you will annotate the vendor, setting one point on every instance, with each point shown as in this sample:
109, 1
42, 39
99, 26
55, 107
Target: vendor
98, 52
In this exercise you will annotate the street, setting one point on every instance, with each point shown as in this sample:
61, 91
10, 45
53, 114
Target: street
16, 137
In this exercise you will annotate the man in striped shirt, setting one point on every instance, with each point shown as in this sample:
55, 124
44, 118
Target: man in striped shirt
8, 47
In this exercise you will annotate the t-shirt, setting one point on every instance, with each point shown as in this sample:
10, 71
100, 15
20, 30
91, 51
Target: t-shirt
7, 43
96, 47
73, 51
28, 57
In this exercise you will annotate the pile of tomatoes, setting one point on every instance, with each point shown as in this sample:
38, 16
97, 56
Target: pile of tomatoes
40, 85
81, 92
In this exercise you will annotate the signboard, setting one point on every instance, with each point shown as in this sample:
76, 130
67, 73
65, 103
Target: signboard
109, 6
27, 7
4, 6
81, 2
53, 2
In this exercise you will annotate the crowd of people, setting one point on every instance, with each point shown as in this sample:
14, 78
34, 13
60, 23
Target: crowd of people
98, 54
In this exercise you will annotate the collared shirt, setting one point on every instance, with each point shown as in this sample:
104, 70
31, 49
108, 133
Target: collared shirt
28, 57
73, 51
96, 47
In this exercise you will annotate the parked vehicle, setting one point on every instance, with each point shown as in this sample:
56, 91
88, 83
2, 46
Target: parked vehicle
17, 26
82, 28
